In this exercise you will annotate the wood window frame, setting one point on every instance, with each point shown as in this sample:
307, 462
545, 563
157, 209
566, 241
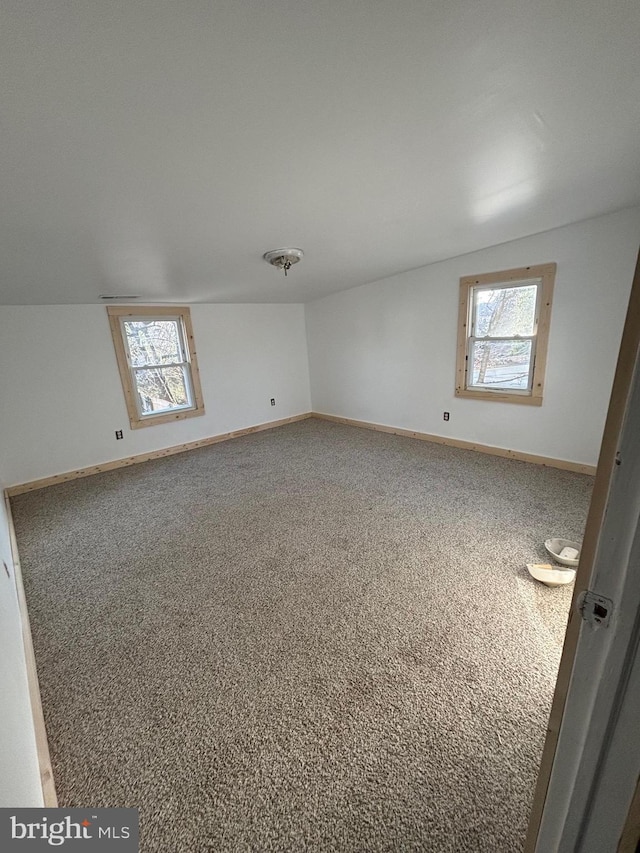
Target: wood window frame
545, 273
117, 314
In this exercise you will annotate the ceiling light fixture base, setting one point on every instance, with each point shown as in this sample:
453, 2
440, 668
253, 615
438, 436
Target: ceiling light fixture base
284, 259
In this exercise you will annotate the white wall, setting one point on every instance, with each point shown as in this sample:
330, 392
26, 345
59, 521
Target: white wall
385, 352
62, 398
19, 773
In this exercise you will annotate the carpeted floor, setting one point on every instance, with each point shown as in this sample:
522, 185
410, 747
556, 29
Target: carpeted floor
314, 638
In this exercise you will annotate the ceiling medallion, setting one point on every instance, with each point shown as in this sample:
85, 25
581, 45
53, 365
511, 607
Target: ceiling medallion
284, 259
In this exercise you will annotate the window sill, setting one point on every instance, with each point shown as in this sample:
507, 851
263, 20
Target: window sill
500, 397
168, 418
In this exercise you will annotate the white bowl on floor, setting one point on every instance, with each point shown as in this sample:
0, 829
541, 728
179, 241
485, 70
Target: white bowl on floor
552, 577
555, 546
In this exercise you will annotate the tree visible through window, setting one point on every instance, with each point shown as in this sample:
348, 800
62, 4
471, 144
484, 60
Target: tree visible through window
157, 363
503, 336
160, 367
504, 321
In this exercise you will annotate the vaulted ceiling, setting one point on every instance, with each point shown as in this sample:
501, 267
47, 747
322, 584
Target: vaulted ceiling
160, 147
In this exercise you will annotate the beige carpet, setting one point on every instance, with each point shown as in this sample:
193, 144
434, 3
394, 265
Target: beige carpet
315, 638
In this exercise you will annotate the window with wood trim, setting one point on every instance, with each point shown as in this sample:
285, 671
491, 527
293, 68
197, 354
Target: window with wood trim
158, 365
503, 330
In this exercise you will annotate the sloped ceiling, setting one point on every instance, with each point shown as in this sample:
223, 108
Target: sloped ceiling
160, 147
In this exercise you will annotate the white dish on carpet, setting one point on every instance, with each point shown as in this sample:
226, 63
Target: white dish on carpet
545, 573
564, 551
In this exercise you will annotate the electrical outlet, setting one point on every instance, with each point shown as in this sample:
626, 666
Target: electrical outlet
273, 401
446, 416
119, 434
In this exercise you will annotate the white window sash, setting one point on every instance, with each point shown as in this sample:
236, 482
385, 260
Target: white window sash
184, 365
472, 339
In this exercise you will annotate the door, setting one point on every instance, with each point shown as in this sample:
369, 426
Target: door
591, 759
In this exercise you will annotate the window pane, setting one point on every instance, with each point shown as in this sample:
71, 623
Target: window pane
503, 312
504, 364
162, 389
153, 342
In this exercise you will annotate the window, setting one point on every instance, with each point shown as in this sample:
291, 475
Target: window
502, 334
158, 365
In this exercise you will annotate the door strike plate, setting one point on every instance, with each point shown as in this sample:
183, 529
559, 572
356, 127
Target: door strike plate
595, 609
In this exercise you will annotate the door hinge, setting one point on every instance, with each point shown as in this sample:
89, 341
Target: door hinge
595, 609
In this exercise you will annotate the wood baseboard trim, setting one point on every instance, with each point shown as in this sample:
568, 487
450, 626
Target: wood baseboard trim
47, 783
563, 464
32, 485
21, 488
